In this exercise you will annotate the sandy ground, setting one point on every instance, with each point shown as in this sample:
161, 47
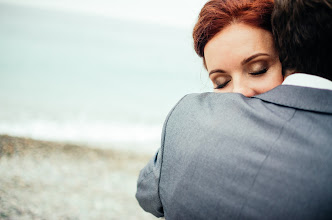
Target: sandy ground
47, 180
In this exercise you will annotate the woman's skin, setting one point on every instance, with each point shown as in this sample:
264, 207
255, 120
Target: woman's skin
242, 59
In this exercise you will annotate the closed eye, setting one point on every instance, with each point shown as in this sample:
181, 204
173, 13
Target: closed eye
223, 85
259, 72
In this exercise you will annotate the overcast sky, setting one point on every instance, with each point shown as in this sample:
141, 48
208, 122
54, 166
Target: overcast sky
180, 13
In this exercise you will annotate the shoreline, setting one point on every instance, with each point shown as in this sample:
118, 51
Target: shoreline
14, 145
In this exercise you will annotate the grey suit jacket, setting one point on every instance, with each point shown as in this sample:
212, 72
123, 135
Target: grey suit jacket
226, 156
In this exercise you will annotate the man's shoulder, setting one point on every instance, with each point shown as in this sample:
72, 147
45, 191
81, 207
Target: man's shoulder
200, 106
210, 100
226, 143
284, 96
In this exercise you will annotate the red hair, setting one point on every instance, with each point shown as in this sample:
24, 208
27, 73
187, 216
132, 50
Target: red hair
217, 14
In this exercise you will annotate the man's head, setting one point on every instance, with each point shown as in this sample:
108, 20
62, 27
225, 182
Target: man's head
303, 35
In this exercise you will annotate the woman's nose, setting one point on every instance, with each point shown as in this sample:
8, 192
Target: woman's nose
244, 90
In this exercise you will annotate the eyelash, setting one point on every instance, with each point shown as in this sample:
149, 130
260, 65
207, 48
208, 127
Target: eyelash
222, 85
260, 72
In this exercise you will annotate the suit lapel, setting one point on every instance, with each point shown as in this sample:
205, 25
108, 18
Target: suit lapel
305, 98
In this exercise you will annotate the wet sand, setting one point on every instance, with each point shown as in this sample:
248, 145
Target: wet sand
49, 180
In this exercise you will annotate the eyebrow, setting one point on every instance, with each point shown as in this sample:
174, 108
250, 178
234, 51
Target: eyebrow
216, 71
247, 60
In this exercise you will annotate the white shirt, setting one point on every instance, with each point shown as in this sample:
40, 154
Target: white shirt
307, 80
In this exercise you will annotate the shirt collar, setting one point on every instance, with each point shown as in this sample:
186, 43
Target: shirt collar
306, 80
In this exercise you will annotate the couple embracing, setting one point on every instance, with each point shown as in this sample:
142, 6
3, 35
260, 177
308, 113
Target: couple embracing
260, 146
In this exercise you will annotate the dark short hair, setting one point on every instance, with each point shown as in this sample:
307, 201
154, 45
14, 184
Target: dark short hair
217, 14
302, 31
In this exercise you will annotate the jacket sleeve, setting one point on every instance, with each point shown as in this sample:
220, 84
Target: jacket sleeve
148, 181
148, 186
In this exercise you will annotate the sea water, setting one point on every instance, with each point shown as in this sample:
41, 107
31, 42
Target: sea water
90, 79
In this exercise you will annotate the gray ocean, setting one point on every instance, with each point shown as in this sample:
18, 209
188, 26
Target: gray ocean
89, 79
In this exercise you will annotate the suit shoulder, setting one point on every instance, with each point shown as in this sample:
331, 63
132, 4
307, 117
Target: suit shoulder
211, 97
200, 105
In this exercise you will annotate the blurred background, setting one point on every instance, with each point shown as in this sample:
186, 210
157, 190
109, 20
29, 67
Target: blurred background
85, 87
99, 72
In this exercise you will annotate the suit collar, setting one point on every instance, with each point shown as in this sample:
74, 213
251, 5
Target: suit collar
310, 99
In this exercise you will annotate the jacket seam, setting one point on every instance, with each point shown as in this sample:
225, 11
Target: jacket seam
263, 162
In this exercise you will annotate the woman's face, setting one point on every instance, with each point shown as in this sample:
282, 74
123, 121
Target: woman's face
242, 59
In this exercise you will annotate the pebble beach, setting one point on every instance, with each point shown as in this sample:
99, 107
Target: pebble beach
50, 180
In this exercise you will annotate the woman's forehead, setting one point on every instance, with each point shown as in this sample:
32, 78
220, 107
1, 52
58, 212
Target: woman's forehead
236, 42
